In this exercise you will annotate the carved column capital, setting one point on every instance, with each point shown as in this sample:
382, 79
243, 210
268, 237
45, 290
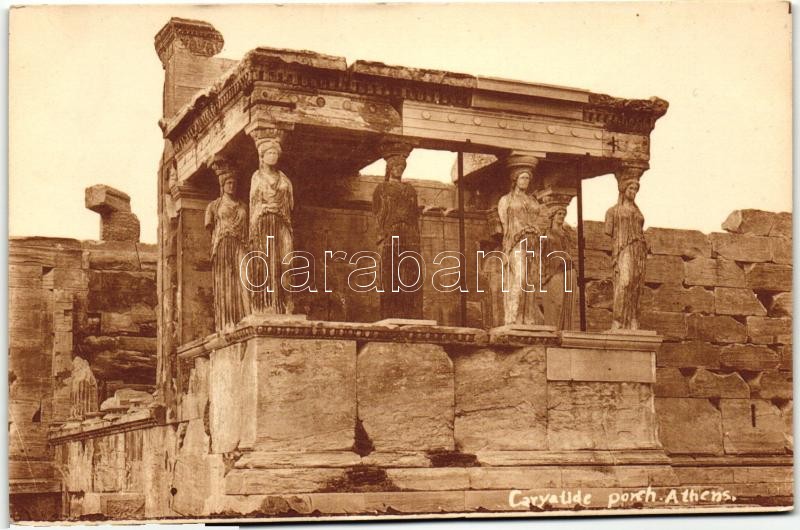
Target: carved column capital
630, 171
395, 147
223, 168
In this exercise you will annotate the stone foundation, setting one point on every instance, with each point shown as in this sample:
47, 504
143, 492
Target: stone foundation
275, 425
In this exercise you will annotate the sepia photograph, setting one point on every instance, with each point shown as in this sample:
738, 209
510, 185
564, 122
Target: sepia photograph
337, 262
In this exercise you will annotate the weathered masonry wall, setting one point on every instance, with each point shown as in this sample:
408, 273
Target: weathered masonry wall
723, 304
722, 394
68, 298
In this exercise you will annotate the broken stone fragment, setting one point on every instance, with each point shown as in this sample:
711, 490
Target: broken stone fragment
117, 222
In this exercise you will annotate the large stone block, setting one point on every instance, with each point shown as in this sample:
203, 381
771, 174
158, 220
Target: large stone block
753, 222
118, 291
664, 269
676, 298
597, 265
108, 463
766, 330
198, 475
688, 354
406, 396
306, 394
752, 426
670, 382
773, 385
738, 247
583, 415
781, 250
579, 364
233, 397
749, 357
669, 325
501, 400
769, 277
595, 237
782, 226
781, 305
687, 243
732, 301
713, 272
707, 384
689, 426
712, 328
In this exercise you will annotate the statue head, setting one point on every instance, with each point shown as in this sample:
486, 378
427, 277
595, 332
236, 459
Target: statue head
269, 151
520, 178
628, 189
227, 184
395, 153
520, 170
395, 166
557, 216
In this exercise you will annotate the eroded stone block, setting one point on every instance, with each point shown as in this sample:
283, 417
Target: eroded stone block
306, 394
583, 415
769, 277
766, 330
714, 328
738, 247
664, 269
750, 221
781, 305
670, 382
713, 272
693, 353
752, 426
501, 399
707, 384
688, 243
732, 301
749, 357
406, 396
689, 426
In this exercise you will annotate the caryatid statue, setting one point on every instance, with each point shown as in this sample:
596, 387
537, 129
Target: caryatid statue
624, 223
271, 236
520, 215
227, 219
394, 204
558, 278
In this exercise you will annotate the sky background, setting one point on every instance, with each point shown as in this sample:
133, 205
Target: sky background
85, 93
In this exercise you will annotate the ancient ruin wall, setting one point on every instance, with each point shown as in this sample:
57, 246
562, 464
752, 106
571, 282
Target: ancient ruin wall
722, 302
68, 298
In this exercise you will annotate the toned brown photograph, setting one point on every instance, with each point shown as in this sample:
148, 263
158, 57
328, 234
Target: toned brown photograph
399, 261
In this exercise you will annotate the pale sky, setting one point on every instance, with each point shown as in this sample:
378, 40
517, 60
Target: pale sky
86, 84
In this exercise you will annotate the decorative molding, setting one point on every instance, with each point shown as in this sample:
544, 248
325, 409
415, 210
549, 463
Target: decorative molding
96, 428
625, 115
612, 340
310, 329
200, 38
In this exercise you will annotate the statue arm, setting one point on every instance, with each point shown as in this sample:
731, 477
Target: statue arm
378, 209
609, 224
209, 217
290, 191
253, 193
502, 212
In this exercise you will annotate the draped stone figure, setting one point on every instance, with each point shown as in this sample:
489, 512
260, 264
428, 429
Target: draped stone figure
519, 214
271, 204
394, 204
558, 275
227, 219
624, 223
